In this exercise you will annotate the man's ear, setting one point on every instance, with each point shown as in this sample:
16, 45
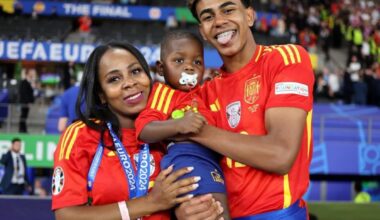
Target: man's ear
251, 16
160, 67
201, 32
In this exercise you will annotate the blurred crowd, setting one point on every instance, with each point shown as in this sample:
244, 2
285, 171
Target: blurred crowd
348, 25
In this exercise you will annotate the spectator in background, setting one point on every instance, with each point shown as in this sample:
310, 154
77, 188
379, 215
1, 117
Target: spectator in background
324, 35
320, 88
360, 90
15, 179
68, 75
26, 94
171, 22
53, 12
370, 80
68, 100
84, 23
39, 189
366, 52
18, 8
308, 39
68, 114
333, 82
293, 33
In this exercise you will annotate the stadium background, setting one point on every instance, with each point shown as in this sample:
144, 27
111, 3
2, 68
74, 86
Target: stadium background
45, 38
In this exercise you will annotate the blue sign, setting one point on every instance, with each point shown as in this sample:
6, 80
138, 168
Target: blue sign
64, 52
98, 10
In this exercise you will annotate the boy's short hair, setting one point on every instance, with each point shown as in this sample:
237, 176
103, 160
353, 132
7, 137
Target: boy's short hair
192, 5
176, 35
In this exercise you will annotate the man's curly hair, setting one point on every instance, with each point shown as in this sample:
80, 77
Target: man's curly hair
192, 5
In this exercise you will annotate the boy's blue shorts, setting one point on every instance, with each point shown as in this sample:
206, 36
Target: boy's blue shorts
204, 161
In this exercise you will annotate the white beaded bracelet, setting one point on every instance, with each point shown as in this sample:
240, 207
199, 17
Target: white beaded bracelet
124, 210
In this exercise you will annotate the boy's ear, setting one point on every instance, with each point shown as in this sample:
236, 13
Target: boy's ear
160, 68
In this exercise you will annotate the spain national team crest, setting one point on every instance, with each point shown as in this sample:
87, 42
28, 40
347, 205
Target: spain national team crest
233, 114
58, 181
152, 164
251, 90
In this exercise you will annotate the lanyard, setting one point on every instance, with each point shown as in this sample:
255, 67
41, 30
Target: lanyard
138, 184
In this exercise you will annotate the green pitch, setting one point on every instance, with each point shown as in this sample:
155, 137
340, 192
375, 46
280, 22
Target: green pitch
344, 211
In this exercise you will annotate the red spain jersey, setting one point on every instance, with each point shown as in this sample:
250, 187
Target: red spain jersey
276, 76
163, 100
72, 161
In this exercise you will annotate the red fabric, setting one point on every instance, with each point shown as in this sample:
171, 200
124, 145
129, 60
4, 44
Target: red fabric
244, 96
110, 184
179, 100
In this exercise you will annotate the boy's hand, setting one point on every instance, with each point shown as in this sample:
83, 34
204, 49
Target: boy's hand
192, 122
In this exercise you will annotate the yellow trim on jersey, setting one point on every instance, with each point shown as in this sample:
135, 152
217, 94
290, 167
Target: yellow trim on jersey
268, 49
66, 136
168, 100
155, 98
229, 162
283, 54
287, 193
111, 154
216, 106
295, 49
292, 53
292, 59
213, 108
70, 147
308, 127
162, 98
259, 53
237, 165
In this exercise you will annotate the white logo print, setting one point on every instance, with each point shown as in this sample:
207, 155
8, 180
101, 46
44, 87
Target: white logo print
58, 181
233, 114
291, 88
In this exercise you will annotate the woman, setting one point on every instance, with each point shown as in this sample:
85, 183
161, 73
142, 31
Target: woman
93, 164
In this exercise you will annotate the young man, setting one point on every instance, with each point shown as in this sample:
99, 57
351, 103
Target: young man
263, 100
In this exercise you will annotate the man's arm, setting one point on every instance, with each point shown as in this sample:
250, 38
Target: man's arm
274, 152
5, 158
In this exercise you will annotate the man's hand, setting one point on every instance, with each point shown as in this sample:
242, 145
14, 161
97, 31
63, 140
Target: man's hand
203, 207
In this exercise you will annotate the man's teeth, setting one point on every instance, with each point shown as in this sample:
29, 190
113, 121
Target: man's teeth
134, 97
223, 38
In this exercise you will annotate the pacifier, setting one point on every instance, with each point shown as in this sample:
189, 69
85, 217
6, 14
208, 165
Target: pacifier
188, 79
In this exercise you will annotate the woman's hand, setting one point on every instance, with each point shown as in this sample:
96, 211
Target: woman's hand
203, 207
167, 189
